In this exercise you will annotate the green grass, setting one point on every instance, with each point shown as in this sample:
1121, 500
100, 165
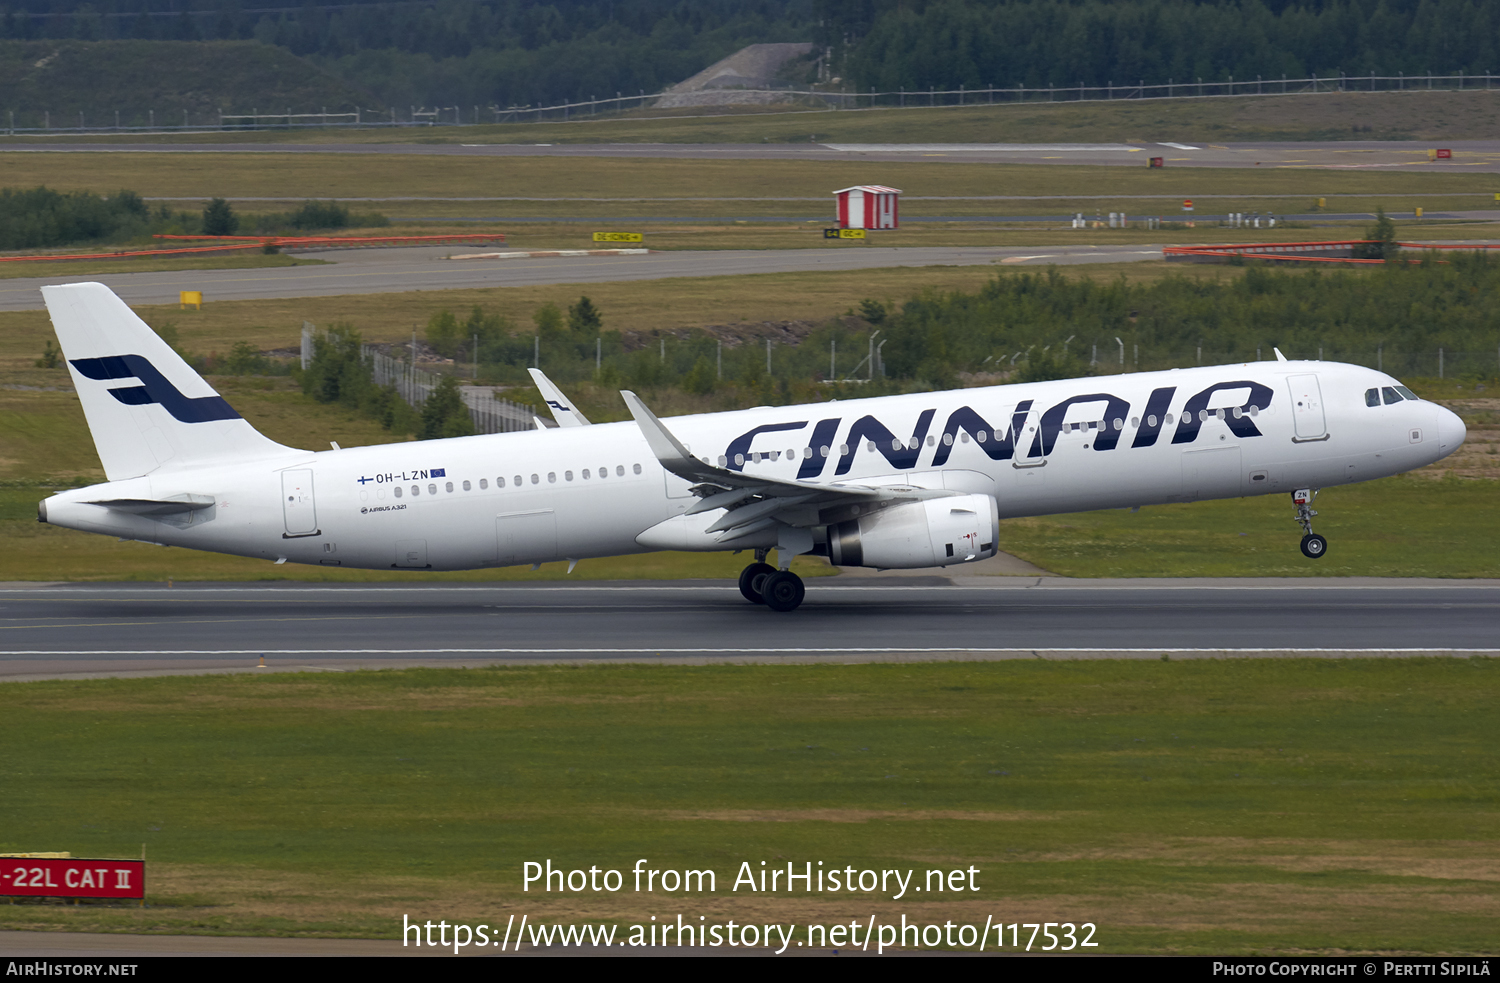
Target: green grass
1396, 527
1421, 115
152, 264
294, 176
1242, 806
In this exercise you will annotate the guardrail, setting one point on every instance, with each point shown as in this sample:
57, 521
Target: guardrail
284, 243
343, 242
1302, 252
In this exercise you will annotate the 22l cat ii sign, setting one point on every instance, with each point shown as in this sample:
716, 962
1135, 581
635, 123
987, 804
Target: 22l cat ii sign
72, 878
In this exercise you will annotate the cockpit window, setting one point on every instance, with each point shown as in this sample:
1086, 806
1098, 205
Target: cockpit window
1407, 392
1391, 396
1372, 397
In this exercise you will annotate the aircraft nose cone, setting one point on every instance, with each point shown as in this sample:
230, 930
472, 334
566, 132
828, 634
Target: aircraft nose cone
1451, 430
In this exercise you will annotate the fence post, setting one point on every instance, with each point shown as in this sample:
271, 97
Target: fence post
1440, 363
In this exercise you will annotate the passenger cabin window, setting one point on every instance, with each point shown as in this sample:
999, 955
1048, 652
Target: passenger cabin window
416, 490
619, 470
448, 487
484, 483
467, 486
637, 469
396, 491
1372, 397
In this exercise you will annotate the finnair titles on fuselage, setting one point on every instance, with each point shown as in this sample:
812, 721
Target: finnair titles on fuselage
907, 481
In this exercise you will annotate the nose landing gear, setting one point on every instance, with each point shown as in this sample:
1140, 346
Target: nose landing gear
779, 590
1313, 545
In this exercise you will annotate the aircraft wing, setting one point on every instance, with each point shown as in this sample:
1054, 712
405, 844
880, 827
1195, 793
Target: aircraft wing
756, 502
562, 408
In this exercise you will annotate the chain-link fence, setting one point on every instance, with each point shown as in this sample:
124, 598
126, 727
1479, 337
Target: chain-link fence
138, 119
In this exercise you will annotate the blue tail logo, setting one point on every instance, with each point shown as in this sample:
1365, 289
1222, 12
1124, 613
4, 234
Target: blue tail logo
154, 388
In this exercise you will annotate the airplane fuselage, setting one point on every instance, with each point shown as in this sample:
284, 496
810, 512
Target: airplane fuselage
589, 491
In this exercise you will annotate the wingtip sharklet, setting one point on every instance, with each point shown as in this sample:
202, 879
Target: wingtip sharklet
665, 446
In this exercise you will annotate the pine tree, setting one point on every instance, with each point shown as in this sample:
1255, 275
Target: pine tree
444, 413
584, 317
219, 219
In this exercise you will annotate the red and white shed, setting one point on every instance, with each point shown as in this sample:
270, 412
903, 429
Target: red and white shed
869, 206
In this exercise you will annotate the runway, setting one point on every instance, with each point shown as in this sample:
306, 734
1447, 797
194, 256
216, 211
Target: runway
1468, 155
366, 271
128, 629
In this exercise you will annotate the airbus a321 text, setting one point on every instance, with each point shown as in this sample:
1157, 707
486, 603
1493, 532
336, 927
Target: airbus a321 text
910, 481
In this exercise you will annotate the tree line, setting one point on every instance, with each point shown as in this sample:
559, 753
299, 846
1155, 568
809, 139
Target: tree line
460, 52
518, 53
975, 43
42, 218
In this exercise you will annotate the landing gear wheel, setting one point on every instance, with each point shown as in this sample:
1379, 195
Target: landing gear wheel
783, 591
753, 581
1314, 546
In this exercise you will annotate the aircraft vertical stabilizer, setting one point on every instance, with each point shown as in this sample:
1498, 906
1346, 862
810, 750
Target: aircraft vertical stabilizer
146, 408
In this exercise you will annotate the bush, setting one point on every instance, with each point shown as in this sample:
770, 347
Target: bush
320, 215
338, 373
41, 217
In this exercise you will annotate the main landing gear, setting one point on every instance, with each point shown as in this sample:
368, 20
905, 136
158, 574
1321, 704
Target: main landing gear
1313, 545
779, 590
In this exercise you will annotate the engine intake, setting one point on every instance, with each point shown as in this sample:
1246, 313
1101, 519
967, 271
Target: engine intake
936, 532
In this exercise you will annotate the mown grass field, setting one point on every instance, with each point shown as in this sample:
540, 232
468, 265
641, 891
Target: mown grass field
294, 176
1255, 806
227, 261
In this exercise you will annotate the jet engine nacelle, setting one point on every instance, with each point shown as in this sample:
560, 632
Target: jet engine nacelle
935, 532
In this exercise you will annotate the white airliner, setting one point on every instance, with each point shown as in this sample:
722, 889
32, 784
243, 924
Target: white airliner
919, 480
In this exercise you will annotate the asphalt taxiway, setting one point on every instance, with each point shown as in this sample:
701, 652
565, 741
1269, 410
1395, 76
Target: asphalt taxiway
1467, 155
367, 271
128, 629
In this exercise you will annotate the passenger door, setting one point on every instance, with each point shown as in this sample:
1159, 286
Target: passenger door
1308, 420
298, 508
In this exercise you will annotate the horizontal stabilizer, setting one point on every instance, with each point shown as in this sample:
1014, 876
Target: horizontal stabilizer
147, 506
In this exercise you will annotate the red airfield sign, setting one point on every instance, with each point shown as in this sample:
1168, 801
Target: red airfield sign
73, 878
